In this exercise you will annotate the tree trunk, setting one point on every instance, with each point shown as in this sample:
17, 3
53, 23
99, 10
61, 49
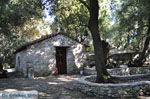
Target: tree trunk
1, 65
97, 42
105, 47
93, 9
142, 57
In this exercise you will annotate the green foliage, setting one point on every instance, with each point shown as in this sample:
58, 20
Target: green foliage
131, 23
14, 14
71, 18
105, 18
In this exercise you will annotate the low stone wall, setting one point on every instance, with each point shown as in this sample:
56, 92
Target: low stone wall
120, 71
119, 91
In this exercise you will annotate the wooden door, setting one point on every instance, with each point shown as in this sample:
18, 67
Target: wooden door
61, 65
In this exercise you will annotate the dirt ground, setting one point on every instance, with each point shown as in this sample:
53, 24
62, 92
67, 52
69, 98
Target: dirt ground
52, 87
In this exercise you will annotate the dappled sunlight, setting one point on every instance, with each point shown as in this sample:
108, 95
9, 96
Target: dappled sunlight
51, 87
39, 78
27, 88
11, 70
79, 55
10, 90
67, 78
77, 49
41, 57
55, 83
58, 43
63, 79
40, 53
115, 32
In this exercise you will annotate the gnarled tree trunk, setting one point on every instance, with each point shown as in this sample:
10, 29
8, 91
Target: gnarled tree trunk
142, 57
97, 42
93, 26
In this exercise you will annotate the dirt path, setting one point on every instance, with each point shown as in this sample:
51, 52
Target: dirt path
53, 87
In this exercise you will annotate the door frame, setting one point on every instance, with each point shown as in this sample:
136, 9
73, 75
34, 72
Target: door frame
56, 49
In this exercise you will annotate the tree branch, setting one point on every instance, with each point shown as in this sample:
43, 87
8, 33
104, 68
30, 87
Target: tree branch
85, 4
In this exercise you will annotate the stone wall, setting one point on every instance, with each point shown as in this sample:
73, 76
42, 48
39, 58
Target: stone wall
41, 56
120, 71
117, 57
117, 91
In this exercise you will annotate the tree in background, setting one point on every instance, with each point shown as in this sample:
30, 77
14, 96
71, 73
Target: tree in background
133, 18
71, 18
13, 17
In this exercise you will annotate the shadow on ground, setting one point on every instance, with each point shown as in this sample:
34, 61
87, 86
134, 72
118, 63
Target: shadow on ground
52, 87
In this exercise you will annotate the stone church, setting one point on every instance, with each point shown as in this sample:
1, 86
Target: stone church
51, 54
